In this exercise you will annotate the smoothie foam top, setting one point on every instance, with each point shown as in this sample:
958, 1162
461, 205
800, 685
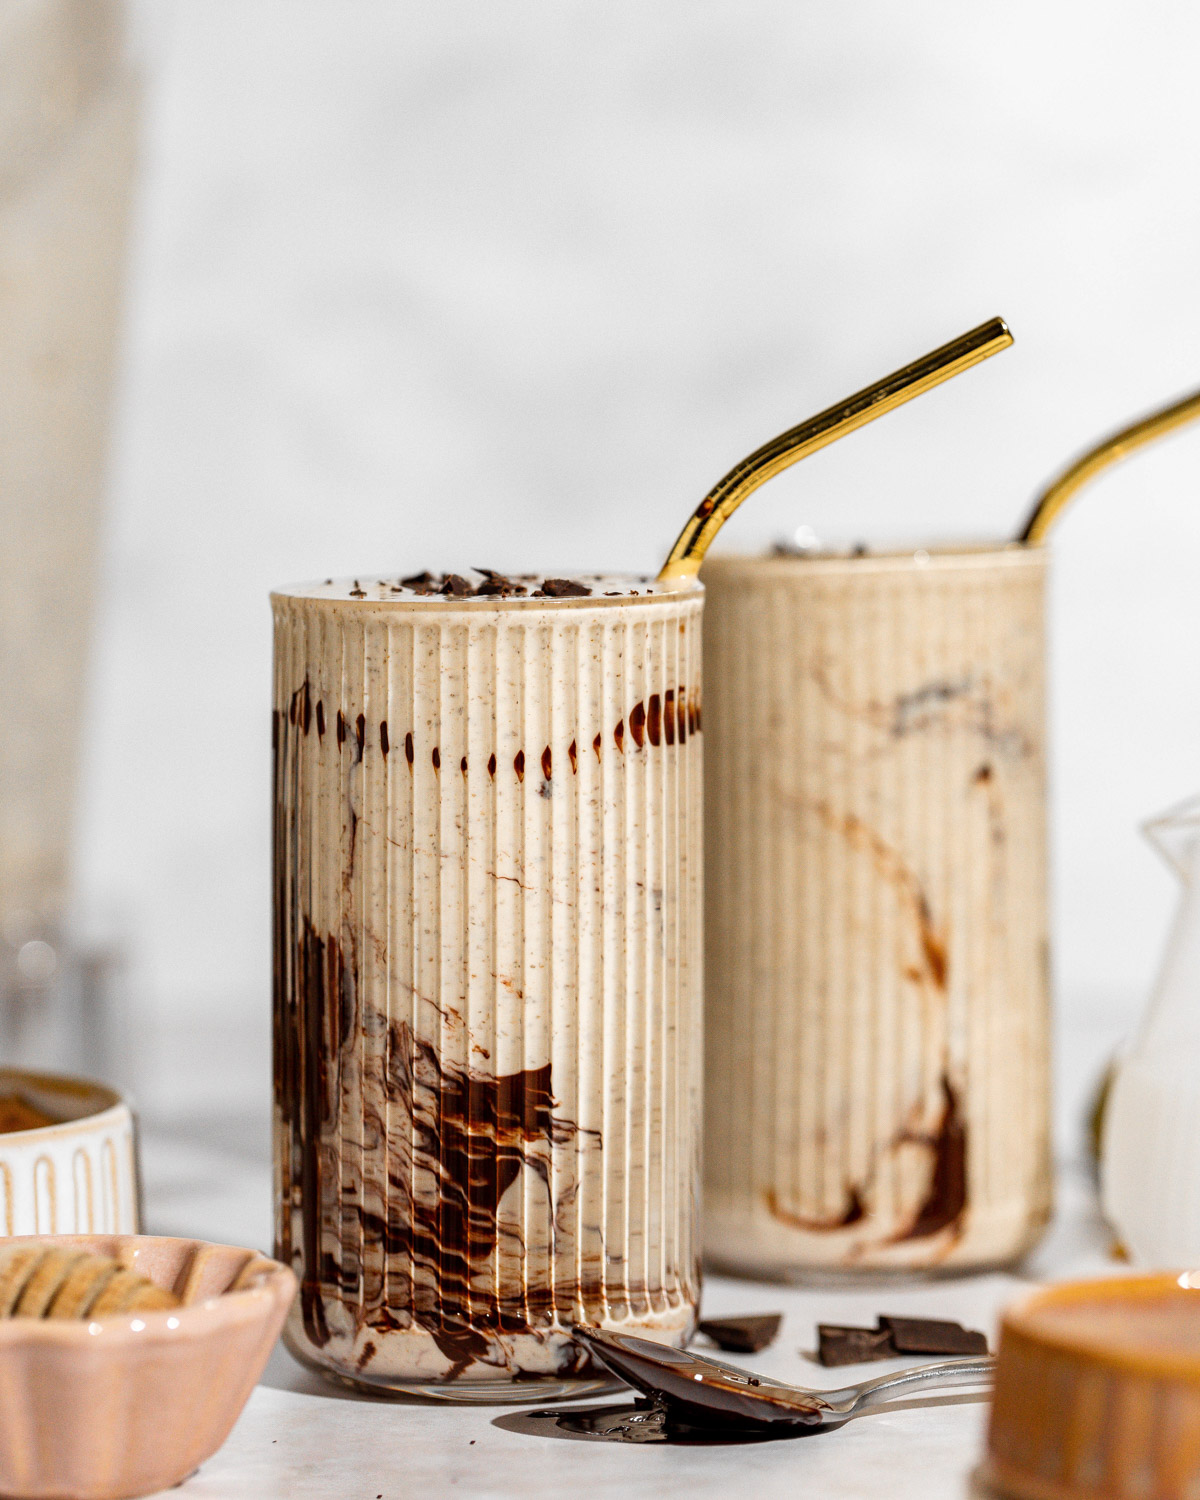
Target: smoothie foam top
483, 586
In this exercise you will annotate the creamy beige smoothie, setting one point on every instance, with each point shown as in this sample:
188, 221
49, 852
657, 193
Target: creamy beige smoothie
488, 947
877, 1009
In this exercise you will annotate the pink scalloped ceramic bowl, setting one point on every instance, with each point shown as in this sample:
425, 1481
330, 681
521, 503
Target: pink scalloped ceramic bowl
122, 1407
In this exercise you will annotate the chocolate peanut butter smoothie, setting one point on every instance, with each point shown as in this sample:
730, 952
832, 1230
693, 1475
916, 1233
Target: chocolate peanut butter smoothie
877, 1007
487, 971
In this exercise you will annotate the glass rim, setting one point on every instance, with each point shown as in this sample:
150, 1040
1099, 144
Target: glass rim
915, 560
316, 593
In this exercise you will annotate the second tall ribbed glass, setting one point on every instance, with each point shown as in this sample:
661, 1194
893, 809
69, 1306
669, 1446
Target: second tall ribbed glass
877, 1006
488, 962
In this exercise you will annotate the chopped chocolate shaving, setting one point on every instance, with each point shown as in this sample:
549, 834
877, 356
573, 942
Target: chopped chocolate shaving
745, 1335
417, 580
565, 588
497, 583
456, 586
837, 1345
933, 1336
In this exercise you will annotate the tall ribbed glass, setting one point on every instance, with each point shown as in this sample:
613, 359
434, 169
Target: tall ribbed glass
877, 1011
487, 975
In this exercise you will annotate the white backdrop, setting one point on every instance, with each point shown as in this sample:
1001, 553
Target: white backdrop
441, 284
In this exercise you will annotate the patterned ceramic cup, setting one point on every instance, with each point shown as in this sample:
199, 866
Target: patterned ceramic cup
76, 1176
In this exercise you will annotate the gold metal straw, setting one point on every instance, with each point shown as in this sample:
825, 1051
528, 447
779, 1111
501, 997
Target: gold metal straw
1056, 495
826, 427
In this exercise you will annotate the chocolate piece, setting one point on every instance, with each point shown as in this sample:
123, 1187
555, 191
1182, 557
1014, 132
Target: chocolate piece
418, 580
456, 586
565, 588
933, 1336
745, 1335
838, 1345
497, 583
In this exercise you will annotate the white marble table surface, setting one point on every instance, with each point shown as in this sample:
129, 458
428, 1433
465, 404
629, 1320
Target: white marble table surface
300, 1437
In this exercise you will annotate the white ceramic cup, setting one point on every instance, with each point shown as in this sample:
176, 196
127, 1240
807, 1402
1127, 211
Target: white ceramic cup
77, 1176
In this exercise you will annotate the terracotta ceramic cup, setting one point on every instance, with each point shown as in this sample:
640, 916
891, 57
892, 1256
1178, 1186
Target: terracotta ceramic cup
77, 1175
877, 1007
133, 1404
1097, 1393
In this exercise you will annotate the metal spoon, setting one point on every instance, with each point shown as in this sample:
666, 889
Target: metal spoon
708, 1391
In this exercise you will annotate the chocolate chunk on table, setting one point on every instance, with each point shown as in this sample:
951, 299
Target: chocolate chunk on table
838, 1345
933, 1336
746, 1335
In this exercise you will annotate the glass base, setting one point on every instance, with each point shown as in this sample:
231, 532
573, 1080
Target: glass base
850, 1278
530, 1390
510, 1390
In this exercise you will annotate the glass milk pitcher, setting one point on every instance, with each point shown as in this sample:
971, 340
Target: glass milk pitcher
1150, 1155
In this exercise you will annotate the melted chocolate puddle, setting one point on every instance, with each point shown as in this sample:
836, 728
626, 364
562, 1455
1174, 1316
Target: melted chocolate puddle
644, 1421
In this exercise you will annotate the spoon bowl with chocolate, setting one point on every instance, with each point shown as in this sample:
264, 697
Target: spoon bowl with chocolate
708, 1392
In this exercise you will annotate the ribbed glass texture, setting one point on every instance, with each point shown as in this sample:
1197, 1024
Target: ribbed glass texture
877, 1013
487, 977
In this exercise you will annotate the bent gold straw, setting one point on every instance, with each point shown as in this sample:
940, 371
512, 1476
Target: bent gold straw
818, 432
1111, 450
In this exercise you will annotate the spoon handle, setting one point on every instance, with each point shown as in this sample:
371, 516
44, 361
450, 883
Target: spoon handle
826, 427
950, 1372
